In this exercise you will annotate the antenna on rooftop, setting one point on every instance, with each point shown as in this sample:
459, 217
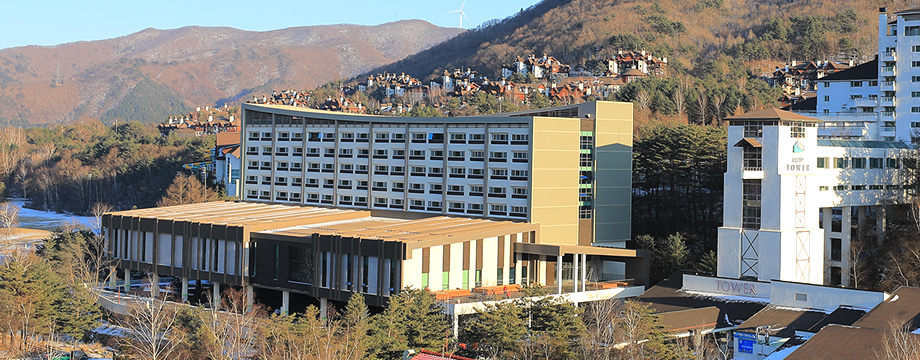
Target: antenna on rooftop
462, 14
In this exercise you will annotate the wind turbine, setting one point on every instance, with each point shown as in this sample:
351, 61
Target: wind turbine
462, 14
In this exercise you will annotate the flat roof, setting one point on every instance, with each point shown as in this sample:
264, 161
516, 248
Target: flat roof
301, 221
449, 229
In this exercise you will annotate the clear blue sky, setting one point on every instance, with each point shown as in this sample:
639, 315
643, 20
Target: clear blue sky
57, 22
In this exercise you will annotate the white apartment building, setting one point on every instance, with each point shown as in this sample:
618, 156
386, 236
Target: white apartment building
854, 104
794, 202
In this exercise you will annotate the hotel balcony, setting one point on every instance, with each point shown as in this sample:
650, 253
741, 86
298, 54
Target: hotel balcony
887, 86
886, 101
888, 71
886, 116
843, 130
865, 102
750, 173
889, 56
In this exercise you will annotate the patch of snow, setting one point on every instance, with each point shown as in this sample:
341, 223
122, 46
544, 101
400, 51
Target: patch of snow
726, 298
915, 331
48, 220
792, 308
894, 298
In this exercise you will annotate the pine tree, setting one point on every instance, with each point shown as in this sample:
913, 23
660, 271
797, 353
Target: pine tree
186, 189
495, 331
30, 291
412, 320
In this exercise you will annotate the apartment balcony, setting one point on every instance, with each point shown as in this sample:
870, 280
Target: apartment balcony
886, 116
888, 71
865, 102
843, 130
889, 56
888, 86
887, 101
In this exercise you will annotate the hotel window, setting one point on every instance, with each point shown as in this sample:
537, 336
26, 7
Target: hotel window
380, 152
750, 206
855, 83
417, 153
859, 163
455, 204
330, 136
498, 154
328, 181
313, 196
396, 202
415, 202
435, 186
300, 268
474, 206
498, 207
380, 200
915, 64
381, 136
345, 183
253, 163
362, 183
362, 135
477, 137
477, 154
346, 151
265, 193
434, 204
457, 170
419, 136
519, 209
836, 219
823, 188
520, 137
398, 185
499, 172
455, 153
893, 163
329, 151
436, 170
347, 135
915, 78
520, 155
822, 162
380, 168
914, 94
298, 135
399, 152
345, 198
455, 188
363, 151
380, 184
313, 151
875, 163
475, 171
873, 83
281, 180
519, 191
346, 167
418, 169
314, 136
475, 188
496, 190
312, 181
457, 136
296, 181
437, 153
797, 130
416, 186
841, 163
266, 163
398, 169
328, 166
519, 173
500, 137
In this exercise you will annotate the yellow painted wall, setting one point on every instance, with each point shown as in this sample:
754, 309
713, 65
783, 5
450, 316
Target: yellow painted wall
554, 179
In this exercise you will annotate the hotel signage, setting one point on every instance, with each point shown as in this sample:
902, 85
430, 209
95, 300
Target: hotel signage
737, 287
726, 286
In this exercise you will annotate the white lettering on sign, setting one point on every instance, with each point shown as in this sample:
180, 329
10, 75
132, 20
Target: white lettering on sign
798, 167
737, 287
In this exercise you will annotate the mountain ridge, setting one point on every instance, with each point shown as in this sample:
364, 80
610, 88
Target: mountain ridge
41, 84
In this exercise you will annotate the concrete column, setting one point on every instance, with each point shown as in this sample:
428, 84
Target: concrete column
250, 298
575, 272
559, 274
285, 302
154, 285
215, 295
456, 324
113, 278
184, 289
584, 271
323, 308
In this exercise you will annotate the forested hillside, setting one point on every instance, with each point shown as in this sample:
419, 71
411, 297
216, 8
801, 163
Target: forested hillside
688, 33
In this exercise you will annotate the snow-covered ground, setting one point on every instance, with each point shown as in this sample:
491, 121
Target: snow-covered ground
47, 220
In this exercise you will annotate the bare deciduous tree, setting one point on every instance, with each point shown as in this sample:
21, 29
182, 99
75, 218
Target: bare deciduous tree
229, 331
9, 218
900, 343
153, 330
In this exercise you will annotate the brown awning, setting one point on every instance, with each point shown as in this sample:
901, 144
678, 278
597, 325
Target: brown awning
749, 142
